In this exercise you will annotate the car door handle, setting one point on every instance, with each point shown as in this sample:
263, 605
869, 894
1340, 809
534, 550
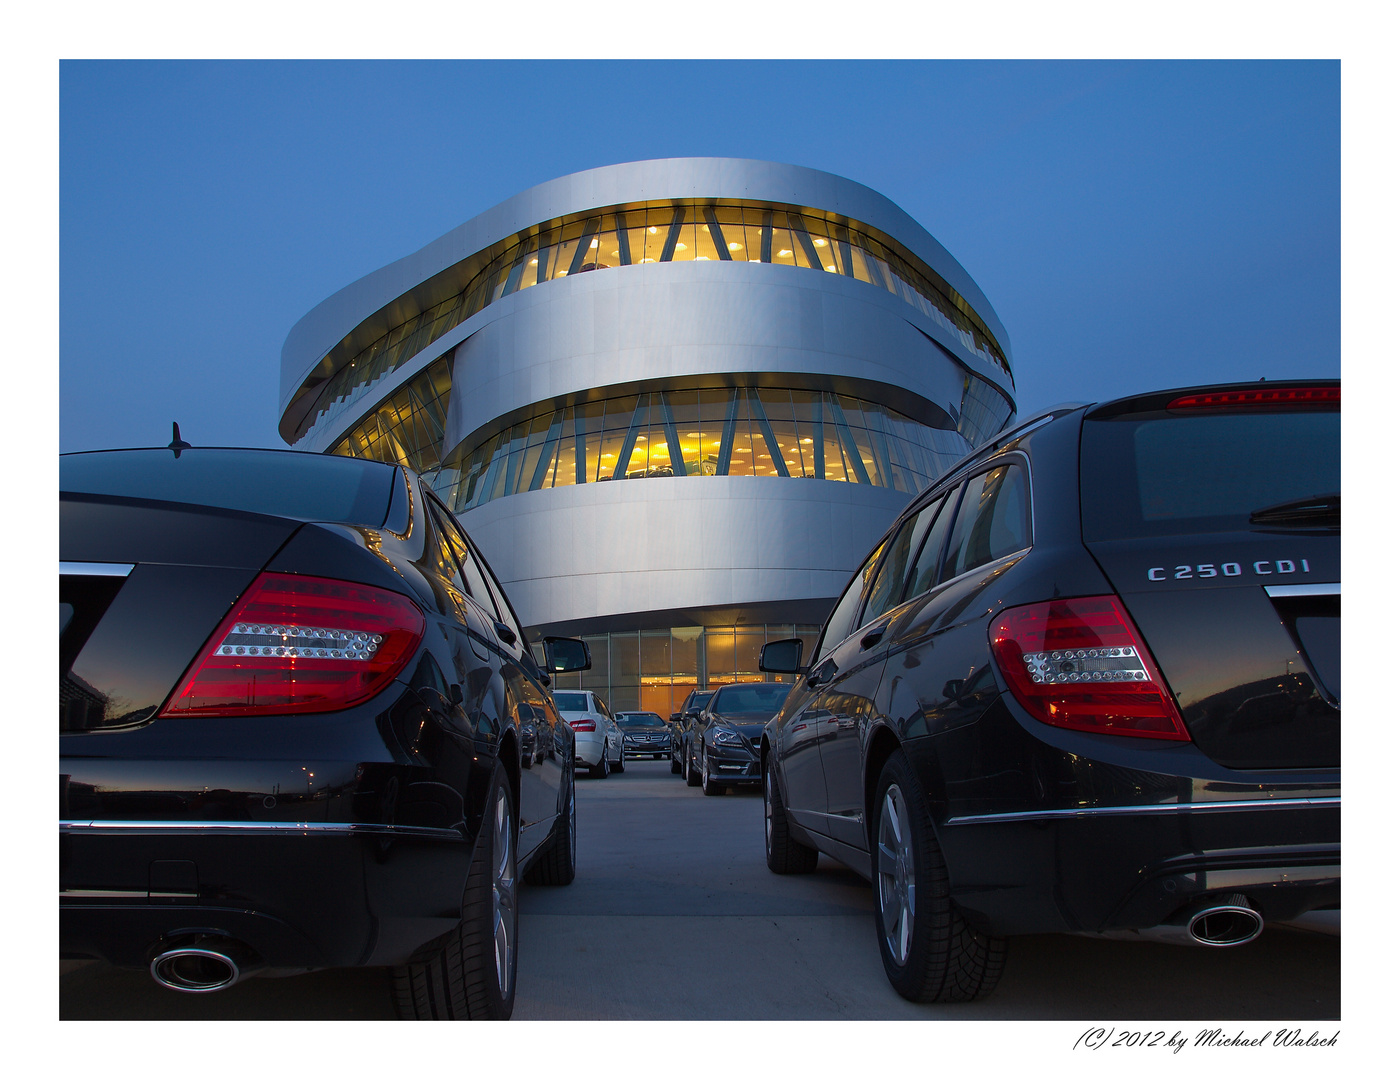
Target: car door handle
872, 639
505, 633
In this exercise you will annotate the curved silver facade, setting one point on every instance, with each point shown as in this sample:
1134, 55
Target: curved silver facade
684, 549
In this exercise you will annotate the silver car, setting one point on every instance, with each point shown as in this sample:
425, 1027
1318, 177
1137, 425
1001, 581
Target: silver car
597, 738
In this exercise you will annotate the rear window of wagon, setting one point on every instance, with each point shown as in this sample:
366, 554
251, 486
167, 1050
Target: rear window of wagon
1160, 474
306, 487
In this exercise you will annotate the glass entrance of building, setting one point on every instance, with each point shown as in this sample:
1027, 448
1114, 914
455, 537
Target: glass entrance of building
654, 670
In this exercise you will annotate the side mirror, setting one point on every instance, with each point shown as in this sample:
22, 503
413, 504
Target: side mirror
566, 654
782, 657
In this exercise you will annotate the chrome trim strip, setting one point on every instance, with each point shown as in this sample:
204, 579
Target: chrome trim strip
251, 828
112, 894
1331, 588
96, 569
1166, 808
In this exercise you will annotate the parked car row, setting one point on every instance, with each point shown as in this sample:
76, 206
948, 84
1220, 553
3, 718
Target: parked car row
1089, 681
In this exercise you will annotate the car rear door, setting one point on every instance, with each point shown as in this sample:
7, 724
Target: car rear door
1216, 516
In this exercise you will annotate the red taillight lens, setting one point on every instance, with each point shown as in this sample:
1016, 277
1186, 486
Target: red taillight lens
295, 644
583, 725
1081, 664
1279, 395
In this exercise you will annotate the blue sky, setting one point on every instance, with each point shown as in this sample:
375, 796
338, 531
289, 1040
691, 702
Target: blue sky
1135, 225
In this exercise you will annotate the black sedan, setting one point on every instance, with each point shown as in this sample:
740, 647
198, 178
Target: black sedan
1088, 682
681, 724
724, 740
294, 707
644, 734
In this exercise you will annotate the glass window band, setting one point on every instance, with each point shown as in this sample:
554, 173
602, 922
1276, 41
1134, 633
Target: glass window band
670, 232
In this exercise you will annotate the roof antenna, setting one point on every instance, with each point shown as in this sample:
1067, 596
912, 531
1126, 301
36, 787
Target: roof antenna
176, 443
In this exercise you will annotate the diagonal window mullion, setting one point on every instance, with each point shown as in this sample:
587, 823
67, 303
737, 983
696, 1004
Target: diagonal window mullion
624, 243
517, 269
799, 230
765, 252
848, 441
717, 235
673, 235
629, 442
580, 446
590, 229
726, 442
774, 450
818, 442
547, 452
673, 439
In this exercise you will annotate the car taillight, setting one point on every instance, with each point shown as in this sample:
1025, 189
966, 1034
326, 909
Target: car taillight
1081, 664
295, 644
583, 725
1277, 395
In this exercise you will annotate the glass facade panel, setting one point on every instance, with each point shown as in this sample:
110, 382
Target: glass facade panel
667, 233
746, 431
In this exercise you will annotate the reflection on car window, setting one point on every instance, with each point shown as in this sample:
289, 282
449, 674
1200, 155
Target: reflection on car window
925, 575
838, 626
993, 520
888, 587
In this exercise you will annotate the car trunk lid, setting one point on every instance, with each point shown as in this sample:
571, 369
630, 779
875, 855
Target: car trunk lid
1241, 610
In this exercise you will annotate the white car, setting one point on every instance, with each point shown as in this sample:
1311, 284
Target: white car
597, 738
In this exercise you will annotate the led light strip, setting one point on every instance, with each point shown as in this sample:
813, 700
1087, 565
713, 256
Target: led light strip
1120, 664
258, 639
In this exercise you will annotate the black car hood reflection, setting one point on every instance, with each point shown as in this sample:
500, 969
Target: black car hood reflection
749, 725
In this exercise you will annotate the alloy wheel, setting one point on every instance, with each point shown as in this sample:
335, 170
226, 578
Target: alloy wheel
895, 864
503, 886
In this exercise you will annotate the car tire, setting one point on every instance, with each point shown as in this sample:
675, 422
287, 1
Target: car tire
621, 765
692, 778
929, 951
469, 974
786, 855
601, 770
558, 863
709, 785
675, 765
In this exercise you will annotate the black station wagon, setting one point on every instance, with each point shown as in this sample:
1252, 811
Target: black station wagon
1088, 682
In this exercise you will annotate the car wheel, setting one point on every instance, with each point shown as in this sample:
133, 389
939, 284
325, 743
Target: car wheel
621, 759
930, 953
675, 765
692, 778
709, 785
785, 854
559, 861
470, 973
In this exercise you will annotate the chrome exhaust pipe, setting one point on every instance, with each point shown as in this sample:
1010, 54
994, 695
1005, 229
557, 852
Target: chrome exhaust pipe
1218, 922
1225, 922
203, 965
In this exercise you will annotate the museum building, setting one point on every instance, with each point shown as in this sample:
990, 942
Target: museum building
780, 356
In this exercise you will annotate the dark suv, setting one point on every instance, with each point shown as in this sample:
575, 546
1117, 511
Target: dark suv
1088, 682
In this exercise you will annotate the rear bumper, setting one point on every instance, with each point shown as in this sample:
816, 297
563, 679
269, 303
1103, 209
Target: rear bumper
588, 749
1130, 868
298, 895
1087, 833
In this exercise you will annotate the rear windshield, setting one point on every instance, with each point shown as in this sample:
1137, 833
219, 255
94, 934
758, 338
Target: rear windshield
750, 697
571, 702
308, 487
1154, 474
